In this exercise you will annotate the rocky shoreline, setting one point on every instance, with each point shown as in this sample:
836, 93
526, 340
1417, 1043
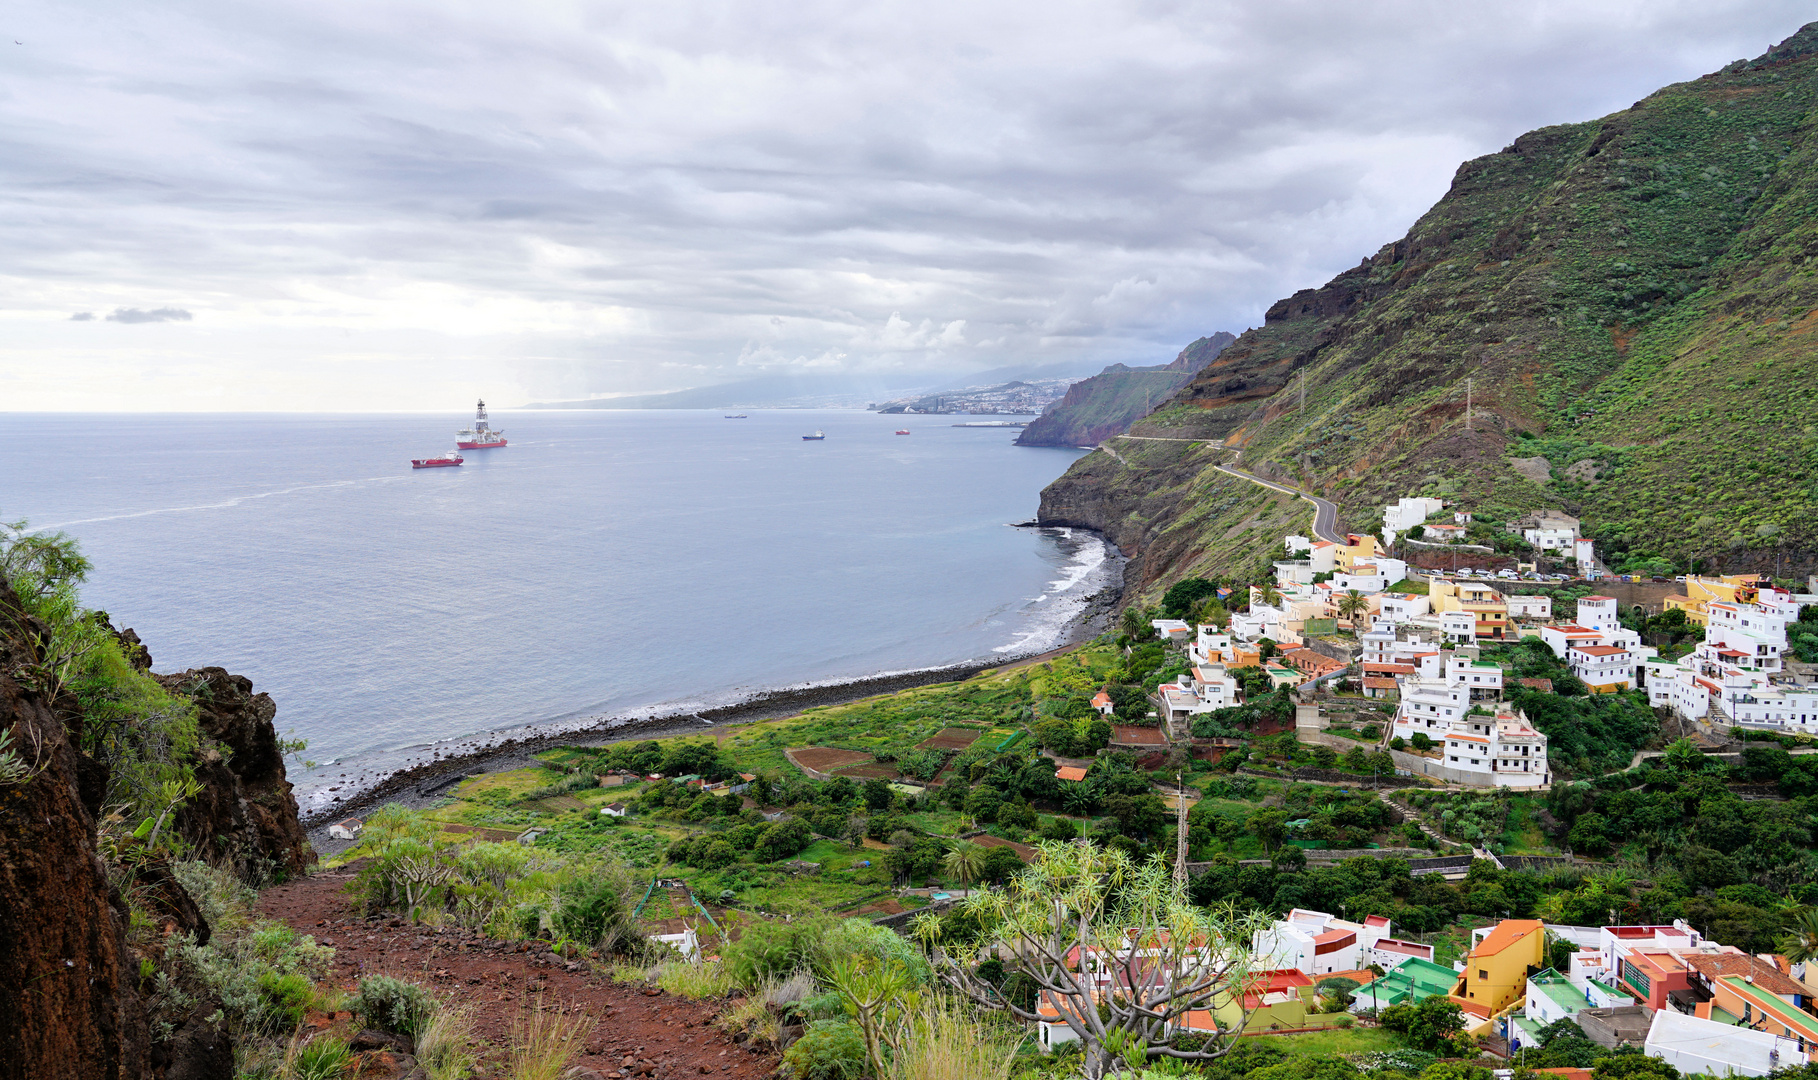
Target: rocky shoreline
412, 786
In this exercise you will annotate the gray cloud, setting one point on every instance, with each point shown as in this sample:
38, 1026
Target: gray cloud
82, 316
631, 197
163, 314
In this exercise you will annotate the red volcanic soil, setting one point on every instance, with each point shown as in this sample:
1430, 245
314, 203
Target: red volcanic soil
641, 1030
826, 758
949, 739
1137, 735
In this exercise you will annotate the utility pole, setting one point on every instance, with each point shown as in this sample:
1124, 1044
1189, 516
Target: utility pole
1303, 394
1180, 832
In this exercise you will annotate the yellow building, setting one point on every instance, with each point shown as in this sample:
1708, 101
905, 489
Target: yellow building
1701, 592
1481, 600
1346, 555
1496, 969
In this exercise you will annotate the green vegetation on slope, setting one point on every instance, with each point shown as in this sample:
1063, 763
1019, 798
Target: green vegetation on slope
1633, 302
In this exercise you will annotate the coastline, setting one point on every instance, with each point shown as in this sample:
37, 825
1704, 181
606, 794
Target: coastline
408, 785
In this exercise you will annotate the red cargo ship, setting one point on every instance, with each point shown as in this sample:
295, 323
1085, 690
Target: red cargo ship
480, 436
450, 458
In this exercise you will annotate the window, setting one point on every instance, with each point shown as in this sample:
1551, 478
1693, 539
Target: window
1482, 974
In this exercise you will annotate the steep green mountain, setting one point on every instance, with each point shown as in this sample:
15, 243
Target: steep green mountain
1629, 307
1108, 403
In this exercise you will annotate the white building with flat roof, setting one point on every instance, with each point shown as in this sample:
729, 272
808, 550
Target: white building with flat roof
1318, 943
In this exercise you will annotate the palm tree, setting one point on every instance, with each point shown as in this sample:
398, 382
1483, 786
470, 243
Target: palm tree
964, 862
1800, 941
1266, 593
1351, 605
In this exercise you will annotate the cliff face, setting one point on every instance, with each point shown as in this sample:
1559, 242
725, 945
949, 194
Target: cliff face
1633, 301
71, 995
66, 976
246, 813
1106, 404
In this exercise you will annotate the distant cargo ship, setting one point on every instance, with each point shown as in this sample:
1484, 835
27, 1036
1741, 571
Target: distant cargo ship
902, 431
480, 436
816, 437
737, 416
443, 462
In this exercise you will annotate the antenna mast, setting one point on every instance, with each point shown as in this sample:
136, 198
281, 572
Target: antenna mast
1180, 832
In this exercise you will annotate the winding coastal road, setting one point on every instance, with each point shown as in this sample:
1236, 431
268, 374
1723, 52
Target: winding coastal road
1325, 512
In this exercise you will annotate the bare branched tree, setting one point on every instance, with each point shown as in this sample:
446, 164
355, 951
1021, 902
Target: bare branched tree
1115, 950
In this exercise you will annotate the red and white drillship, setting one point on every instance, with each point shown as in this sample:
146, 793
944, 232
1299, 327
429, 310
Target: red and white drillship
450, 458
480, 436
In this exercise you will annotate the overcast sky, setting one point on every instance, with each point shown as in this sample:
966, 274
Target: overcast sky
370, 205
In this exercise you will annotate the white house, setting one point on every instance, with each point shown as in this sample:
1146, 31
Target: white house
1172, 629
1428, 707
1529, 607
1459, 626
1599, 613
1551, 539
1761, 705
1409, 512
1563, 638
1749, 636
1583, 550
1389, 952
346, 830
1698, 1046
1603, 668
1678, 686
616, 809
1317, 943
1505, 749
1403, 607
1441, 533
1481, 677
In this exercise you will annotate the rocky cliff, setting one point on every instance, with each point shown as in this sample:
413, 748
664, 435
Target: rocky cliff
246, 814
1628, 308
71, 990
1106, 404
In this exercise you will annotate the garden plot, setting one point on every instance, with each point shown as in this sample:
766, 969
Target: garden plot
827, 759
949, 739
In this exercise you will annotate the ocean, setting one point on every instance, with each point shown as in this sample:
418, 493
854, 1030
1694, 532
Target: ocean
605, 564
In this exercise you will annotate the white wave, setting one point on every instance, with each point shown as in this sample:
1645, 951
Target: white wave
1083, 576
224, 505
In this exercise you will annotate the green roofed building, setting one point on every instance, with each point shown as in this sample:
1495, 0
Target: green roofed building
1413, 981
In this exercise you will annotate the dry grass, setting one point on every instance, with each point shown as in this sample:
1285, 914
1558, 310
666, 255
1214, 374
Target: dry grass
945, 1042
544, 1041
692, 980
445, 1049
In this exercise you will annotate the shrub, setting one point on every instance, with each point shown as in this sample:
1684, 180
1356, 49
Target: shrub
394, 1005
321, 1058
829, 1050
286, 996
593, 910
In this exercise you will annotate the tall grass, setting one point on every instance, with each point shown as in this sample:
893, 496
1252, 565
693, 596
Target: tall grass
703, 980
445, 1048
944, 1042
321, 1058
544, 1041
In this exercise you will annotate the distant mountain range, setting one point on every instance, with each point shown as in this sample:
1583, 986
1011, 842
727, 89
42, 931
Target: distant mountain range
1105, 405
842, 391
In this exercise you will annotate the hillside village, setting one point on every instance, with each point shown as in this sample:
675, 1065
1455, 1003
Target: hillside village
1421, 748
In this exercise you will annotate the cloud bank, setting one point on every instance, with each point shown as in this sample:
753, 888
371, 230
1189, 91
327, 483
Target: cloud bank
398, 205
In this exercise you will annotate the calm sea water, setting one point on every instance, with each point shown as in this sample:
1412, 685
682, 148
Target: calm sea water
605, 563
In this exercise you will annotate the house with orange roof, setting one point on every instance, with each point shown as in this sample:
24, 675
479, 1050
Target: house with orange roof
1102, 702
1604, 669
1496, 968
1070, 774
